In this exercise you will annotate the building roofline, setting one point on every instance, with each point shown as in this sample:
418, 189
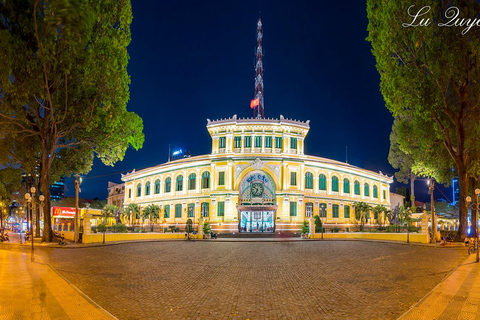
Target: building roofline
236, 120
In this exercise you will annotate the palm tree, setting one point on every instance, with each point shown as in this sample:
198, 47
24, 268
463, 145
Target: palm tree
362, 210
133, 210
404, 215
107, 212
151, 212
380, 214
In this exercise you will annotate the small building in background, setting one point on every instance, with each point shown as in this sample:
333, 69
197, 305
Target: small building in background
396, 200
116, 193
57, 190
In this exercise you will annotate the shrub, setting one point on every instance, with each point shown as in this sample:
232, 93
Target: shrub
119, 227
335, 229
206, 228
101, 228
305, 228
94, 229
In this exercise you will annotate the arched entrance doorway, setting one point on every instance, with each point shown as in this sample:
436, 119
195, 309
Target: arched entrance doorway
256, 205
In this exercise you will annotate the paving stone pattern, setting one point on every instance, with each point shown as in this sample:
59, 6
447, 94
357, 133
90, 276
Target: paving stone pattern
256, 280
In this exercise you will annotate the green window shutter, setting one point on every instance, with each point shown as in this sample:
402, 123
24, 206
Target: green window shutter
222, 142
237, 142
179, 183
157, 186
191, 210
206, 180
129, 193
384, 195
139, 190
147, 188
192, 181
346, 185
308, 180
278, 142
375, 192
323, 210
168, 185
293, 178
346, 212
335, 184
293, 209
366, 190
357, 188
268, 142
221, 178
293, 143
167, 211
205, 209
322, 182
178, 211
248, 142
220, 208
335, 211
258, 142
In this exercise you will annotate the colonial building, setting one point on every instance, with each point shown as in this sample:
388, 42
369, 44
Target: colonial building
116, 194
256, 179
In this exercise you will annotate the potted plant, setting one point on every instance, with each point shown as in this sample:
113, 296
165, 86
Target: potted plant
206, 231
305, 230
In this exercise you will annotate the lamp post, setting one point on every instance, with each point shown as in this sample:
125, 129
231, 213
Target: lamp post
78, 182
32, 203
322, 209
431, 186
475, 207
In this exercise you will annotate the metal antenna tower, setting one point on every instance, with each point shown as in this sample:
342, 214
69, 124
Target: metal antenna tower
259, 109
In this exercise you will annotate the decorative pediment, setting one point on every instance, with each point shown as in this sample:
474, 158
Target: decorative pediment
258, 164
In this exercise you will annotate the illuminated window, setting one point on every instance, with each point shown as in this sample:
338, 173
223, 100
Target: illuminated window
308, 209
192, 179
293, 178
323, 210
356, 187
346, 185
278, 142
157, 186
258, 142
191, 210
308, 180
178, 210
268, 142
375, 191
335, 184
205, 210
206, 180
179, 183
147, 188
139, 190
237, 142
168, 185
293, 143
346, 212
222, 142
248, 142
220, 208
335, 211
166, 211
221, 178
322, 182
366, 190
293, 209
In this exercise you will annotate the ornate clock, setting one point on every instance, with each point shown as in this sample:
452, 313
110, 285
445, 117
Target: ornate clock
257, 189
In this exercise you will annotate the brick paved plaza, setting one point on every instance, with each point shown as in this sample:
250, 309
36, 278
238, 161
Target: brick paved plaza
256, 280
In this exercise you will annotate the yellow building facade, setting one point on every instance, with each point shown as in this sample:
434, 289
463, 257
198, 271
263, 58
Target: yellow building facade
256, 179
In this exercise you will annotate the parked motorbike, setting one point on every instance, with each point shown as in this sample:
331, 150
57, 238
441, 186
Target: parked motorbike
4, 237
27, 236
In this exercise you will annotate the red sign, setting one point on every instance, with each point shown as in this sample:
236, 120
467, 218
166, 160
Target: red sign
64, 212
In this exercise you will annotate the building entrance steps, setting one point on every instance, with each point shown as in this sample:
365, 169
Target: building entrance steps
33, 290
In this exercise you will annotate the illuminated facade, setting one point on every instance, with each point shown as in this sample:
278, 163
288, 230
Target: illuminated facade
256, 179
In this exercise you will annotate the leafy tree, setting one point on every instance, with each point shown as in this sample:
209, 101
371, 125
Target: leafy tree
151, 212
362, 210
404, 215
318, 224
206, 228
189, 226
133, 211
64, 83
380, 214
430, 75
305, 228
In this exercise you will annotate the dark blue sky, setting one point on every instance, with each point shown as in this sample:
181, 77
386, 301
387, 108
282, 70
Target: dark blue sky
193, 60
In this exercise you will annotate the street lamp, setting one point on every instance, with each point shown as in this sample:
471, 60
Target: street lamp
32, 203
431, 186
78, 182
475, 207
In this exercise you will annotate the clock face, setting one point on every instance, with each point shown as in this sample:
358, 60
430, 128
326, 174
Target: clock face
257, 189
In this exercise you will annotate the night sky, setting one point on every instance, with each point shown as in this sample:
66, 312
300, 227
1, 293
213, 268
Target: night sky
193, 60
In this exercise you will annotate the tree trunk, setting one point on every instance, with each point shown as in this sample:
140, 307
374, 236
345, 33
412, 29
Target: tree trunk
412, 192
462, 204
45, 182
474, 208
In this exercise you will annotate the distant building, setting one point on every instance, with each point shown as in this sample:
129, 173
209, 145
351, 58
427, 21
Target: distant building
455, 191
116, 193
396, 200
57, 190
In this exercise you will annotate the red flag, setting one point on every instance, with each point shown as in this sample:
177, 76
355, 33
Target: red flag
254, 103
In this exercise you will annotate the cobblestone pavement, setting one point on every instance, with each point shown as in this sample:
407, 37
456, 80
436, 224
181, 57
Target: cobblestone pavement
256, 280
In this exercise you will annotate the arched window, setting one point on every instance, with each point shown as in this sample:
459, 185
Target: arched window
205, 209
191, 210
323, 210
356, 187
375, 191
308, 180
192, 178
178, 210
346, 212
166, 211
168, 184
147, 188
335, 183
206, 180
308, 209
322, 182
346, 185
366, 190
179, 183
139, 190
157, 186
